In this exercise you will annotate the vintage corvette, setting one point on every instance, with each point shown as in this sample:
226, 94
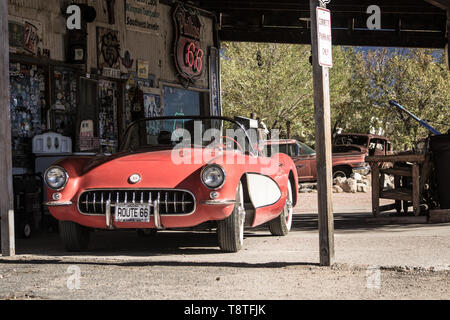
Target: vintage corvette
175, 172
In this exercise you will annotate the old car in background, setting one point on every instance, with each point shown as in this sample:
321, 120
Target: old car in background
370, 144
175, 172
304, 157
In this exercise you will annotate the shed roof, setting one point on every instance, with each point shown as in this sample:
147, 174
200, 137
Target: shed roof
404, 23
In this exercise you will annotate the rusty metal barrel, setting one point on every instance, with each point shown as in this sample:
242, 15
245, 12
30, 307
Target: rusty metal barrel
440, 146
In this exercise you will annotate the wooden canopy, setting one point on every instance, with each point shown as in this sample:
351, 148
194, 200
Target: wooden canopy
404, 23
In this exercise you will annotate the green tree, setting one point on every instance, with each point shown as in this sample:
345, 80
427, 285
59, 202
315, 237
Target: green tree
415, 78
265, 79
275, 82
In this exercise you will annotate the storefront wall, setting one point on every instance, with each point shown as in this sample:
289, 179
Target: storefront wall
129, 77
159, 91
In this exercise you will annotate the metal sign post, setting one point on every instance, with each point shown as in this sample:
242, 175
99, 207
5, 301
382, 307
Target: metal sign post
321, 60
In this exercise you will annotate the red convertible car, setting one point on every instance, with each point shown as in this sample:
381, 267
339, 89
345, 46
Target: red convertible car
175, 172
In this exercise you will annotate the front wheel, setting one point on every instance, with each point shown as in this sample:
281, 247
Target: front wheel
74, 237
230, 231
281, 225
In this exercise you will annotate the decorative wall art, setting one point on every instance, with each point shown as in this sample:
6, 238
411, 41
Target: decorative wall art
27, 83
142, 69
108, 48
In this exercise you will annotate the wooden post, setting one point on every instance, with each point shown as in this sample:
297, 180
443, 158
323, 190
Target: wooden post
416, 188
323, 147
6, 189
375, 171
447, 53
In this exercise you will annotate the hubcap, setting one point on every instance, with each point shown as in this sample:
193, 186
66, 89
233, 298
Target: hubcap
288, 209
27, 230
241, 216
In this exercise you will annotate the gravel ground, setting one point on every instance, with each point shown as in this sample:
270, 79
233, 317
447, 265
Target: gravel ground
372, 262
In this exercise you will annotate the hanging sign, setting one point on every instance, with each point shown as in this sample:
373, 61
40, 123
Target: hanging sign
25, 35
324, 38
188, 52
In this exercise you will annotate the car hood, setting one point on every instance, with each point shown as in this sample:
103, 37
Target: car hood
349, 148
158, 169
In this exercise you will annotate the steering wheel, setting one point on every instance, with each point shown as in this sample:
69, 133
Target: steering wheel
224, 146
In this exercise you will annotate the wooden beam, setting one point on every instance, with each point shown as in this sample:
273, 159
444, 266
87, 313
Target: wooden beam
323, 147
397, 158
398, 220
442, 4
345, 37
439, 216
6, 188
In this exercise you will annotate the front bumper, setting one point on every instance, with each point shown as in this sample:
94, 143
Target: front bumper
205, 210
362, 170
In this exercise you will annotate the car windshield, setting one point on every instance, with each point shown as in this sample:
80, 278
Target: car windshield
352, 139
197, 132
305, 149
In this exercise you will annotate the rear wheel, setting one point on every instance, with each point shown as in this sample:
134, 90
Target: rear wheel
281, 225
230, 231
74, 237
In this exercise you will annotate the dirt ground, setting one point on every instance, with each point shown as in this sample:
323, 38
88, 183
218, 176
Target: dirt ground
373, 261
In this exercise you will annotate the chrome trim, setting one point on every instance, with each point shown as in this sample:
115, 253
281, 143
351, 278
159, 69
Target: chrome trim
108, 215
218, 202
175, 201
166, 201
58, 203
66, 174
156, 215
101, 200
93, 203
184, 203
214, 165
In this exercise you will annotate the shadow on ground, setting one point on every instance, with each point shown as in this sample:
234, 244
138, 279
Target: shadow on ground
128, 243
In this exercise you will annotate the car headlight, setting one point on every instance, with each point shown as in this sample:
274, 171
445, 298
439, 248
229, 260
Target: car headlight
213, 176
56, 177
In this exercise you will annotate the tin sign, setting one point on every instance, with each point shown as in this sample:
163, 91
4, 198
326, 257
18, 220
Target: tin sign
324, 37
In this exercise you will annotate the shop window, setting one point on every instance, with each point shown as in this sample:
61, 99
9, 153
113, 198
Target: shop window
179, 101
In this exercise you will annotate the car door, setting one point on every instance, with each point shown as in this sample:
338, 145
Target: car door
305, 162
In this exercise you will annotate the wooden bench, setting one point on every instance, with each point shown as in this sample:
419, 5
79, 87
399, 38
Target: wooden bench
415, 166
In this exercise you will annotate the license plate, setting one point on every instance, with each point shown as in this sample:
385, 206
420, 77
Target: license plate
132, 213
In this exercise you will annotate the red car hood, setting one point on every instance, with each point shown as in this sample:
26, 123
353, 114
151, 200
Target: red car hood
156, 168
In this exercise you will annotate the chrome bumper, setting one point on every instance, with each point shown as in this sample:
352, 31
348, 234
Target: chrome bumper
58, 203
218, 202
362, 170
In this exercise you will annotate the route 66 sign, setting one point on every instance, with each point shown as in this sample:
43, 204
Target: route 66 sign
188, 52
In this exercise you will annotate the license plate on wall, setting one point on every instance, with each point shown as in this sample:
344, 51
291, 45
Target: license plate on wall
132, 213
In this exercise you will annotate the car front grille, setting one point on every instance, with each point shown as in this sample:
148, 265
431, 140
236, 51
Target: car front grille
169, 201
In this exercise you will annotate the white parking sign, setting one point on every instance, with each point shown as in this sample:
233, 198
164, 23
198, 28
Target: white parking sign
324, 37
